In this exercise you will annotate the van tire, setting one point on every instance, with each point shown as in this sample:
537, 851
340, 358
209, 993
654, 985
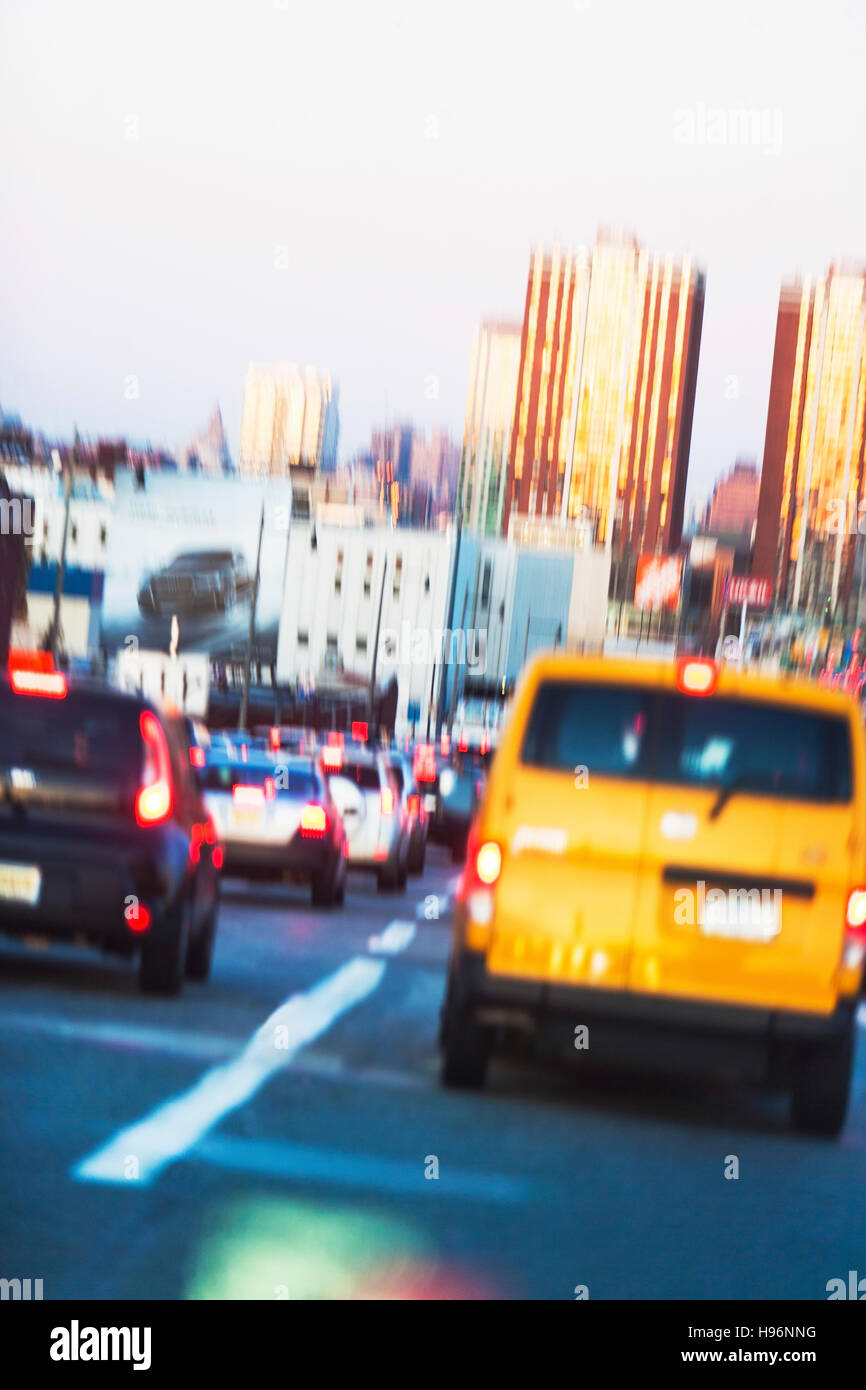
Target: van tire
465, 1052
163, 958
822, 1086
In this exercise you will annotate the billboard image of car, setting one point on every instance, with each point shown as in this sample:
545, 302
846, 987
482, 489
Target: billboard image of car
182, 551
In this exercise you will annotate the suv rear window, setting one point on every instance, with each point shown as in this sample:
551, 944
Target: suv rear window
364, 776
82, 734
221, 777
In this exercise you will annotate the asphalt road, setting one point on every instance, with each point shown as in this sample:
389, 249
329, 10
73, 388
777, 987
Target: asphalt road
278, 1133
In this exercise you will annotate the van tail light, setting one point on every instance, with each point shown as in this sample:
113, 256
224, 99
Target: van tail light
154, 801
196, 757
314, 821
488, 863
697, 676
387, 801
855, 915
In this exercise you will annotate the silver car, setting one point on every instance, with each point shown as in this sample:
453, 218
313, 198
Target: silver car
377, 824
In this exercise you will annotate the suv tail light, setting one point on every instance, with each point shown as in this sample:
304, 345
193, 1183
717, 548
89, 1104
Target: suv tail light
155, 799
314, 821
387, 801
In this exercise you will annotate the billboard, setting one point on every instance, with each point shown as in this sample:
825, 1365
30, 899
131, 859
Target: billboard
182, 552
657, 582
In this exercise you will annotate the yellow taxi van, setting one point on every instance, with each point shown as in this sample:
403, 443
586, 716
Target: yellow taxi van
668, 868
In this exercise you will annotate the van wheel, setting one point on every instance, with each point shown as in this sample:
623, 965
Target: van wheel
465, 1053
822, 1086
199, 954
163, 958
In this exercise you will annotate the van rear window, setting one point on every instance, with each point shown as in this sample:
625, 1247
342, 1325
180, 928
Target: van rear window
753, 745
578, 724
749, 745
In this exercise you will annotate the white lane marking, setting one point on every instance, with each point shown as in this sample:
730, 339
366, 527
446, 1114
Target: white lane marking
394, 938
174, 1127
205, 1046
300, 1163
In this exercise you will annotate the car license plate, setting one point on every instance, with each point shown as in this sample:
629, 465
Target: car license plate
246, 817
20, 883
742, 916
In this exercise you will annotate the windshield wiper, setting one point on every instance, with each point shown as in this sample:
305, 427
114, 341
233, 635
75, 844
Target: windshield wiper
726, 791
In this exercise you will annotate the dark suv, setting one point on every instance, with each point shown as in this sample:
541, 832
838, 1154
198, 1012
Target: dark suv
104, 838
209, 581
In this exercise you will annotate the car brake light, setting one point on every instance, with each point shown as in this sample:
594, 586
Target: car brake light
270, 789
462, 744
697, 676
217, 857
275, 738
855, 913
196, 757
387, 801
414, 804
245, 795
314, 820
360, 730
488, 863
332, 758
33, 673
155, 800
137, 917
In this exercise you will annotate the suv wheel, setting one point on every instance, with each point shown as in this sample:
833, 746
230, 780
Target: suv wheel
822, 1085
325, 888
163, 958
387, 880
199, 953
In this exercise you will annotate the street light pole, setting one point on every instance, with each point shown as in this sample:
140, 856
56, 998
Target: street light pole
68, 481
245, 698
372, 694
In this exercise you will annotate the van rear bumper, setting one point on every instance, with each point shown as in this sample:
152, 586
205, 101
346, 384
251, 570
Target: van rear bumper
667, 1033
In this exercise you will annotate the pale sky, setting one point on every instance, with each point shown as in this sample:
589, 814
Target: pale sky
161, 160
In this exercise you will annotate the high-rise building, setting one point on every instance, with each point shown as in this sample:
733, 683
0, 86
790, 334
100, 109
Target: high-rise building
605, 398
734, 505
812, 481
487, 434
284, 419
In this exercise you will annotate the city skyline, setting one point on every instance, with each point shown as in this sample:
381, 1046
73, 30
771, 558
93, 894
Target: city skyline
157, 238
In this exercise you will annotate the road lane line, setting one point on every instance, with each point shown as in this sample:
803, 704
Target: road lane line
300, 1163
396, 937
207, 1047
174, 1127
